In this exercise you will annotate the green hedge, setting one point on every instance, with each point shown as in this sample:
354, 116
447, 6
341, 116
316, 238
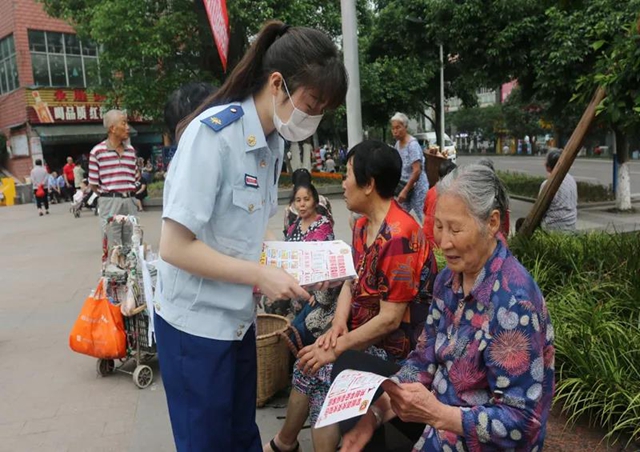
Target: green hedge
591, 283
155, 188
524, 185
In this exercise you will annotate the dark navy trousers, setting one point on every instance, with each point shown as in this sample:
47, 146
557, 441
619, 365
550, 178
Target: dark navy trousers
211, 390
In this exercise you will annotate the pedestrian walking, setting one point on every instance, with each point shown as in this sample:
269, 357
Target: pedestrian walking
112, 169
140, 189
413, 185
78, 174
69, 178
40, 182
221, 189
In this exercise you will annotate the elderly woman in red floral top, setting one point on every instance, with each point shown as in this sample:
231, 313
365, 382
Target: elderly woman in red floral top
383, 311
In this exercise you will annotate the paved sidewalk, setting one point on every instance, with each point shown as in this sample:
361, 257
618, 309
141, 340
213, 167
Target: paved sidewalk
51, 398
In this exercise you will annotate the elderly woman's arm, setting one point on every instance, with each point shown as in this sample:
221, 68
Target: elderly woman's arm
387, 321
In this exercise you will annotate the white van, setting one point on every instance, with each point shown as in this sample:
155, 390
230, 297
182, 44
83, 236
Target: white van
429, 138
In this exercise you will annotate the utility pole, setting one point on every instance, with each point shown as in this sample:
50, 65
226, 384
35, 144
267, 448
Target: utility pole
350, 49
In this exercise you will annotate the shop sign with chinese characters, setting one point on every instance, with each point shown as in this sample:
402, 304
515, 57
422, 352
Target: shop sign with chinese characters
53, 106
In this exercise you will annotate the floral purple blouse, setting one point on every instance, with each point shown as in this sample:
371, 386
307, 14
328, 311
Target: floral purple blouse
490, 353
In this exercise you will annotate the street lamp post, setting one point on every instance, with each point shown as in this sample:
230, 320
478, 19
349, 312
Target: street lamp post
350, 48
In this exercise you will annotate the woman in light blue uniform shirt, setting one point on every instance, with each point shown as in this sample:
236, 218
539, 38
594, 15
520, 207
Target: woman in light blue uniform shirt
220, 191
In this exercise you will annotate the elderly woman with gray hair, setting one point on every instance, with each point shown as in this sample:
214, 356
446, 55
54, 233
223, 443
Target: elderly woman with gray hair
482, 374
413, 185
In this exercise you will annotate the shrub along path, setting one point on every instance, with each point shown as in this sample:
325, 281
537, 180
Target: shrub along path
591, 283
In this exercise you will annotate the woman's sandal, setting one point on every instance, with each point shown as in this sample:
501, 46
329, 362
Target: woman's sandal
275, 448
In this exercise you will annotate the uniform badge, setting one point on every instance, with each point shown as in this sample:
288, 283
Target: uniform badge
250, 181
223, 118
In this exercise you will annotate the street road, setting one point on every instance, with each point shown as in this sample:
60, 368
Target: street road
586, 170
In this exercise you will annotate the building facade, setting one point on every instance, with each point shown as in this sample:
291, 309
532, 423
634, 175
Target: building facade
46, 110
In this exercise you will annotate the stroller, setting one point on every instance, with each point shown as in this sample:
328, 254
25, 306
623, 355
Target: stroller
82, 199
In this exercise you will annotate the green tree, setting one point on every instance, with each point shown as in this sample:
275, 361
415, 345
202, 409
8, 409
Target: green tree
486, 122
149, 48
559, 51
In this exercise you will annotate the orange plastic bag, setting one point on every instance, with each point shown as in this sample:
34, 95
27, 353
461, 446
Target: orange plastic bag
99, 329
40, 191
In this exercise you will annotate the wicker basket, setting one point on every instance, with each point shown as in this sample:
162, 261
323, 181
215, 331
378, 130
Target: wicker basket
273, 356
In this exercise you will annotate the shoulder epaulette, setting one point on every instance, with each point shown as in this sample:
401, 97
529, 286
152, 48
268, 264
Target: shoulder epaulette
223, 118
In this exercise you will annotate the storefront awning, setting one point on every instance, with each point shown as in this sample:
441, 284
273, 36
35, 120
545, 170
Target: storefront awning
74, 133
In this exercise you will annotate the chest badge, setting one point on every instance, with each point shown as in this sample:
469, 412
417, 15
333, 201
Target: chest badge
250, 181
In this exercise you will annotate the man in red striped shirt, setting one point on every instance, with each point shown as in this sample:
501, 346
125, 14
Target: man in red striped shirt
112, 169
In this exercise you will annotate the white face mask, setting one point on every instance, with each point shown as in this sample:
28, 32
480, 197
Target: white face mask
300, 125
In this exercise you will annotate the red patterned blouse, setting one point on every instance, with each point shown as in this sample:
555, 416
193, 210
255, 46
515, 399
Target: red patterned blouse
398, 267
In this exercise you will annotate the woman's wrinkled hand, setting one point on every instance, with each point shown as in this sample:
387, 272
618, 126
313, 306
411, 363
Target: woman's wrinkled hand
330, 338
413, 402
312, 358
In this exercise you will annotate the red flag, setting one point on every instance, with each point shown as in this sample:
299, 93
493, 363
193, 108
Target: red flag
219, 21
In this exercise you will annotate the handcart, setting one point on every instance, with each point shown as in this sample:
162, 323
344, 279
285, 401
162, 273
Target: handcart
130, 282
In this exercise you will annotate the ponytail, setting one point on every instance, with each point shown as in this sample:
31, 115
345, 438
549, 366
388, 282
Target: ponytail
305, 57
246, 78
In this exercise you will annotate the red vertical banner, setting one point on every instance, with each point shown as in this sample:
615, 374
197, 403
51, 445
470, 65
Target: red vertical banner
219, 21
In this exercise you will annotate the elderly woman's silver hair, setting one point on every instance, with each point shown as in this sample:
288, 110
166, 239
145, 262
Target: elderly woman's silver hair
400, 117
111, 117
479, 188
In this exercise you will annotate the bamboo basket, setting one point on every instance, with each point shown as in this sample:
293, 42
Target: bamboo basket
273, 356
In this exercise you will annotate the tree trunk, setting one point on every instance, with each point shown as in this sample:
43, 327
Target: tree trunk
287, 160
437, 124
295, 157
623, 191
306, 156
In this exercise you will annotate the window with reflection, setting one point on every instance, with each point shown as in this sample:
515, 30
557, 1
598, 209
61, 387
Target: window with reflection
62, 60
8, 66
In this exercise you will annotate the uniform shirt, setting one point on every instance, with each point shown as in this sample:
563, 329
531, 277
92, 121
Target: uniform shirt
562, 214
223, 187
110, 171
490, 353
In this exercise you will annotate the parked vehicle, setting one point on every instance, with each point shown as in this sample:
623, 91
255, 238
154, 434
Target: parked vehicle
430, 139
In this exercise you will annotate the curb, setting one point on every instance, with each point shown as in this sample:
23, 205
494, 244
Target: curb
583, 205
